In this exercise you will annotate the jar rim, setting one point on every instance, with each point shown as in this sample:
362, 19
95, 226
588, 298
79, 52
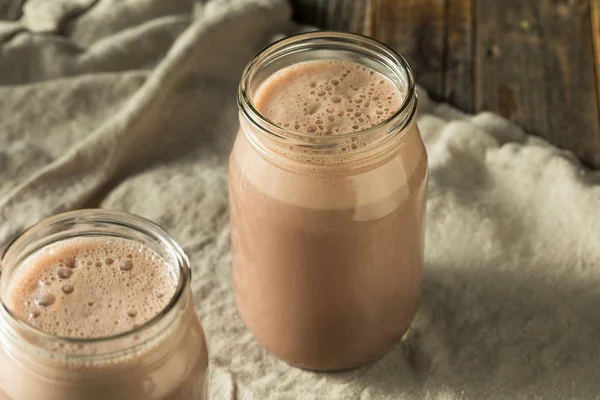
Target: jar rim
391, 58
108, 217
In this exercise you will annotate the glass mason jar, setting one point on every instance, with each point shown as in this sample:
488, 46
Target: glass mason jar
327, 231
164, 358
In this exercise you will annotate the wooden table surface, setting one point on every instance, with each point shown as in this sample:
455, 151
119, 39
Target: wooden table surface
536, 62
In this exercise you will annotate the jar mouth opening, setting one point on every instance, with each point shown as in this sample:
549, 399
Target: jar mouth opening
331, 40
108, 217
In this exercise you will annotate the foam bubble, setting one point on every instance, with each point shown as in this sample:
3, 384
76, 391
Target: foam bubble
126, 265
46, 299
92, 295
67, 288
64, 273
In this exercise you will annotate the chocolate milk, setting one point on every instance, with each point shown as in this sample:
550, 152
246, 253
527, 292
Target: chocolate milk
89, 288
327, 97
327, 258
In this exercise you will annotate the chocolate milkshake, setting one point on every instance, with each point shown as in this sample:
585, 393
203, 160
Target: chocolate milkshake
327, 195
98, 316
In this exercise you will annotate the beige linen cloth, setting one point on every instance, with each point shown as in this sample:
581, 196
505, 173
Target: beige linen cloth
130, 104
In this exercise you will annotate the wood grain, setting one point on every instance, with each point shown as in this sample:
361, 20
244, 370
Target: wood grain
337, 15
417, 29
459, 48
534, 64
595, 10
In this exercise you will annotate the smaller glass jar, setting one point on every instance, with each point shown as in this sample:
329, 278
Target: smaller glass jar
163, 359
327, 230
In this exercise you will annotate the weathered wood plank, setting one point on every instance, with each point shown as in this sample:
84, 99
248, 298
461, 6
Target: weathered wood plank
338, 15
458, 78
595, 10
535, 66
417, 29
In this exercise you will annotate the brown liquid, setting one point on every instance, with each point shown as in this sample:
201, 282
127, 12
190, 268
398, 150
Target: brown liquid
327, 261
93, 288
327, 97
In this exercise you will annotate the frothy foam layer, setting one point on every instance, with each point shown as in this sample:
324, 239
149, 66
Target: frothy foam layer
281, 98
327, 97
91, 287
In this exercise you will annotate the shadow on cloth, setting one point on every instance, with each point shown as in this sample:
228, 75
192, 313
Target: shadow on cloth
482, 334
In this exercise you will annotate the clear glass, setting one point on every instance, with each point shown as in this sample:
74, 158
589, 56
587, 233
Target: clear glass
327, 237
163, 359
